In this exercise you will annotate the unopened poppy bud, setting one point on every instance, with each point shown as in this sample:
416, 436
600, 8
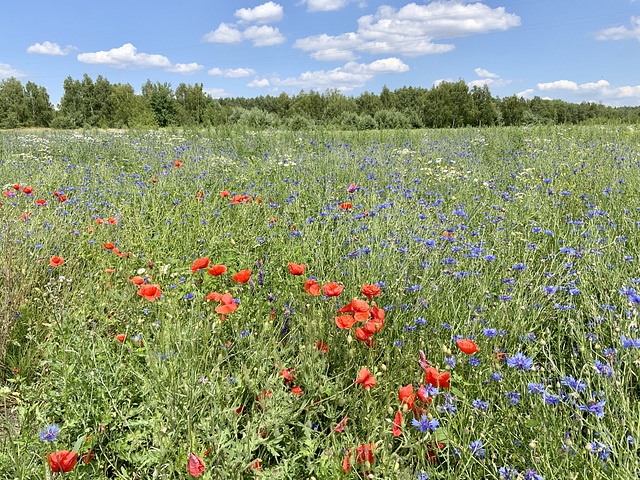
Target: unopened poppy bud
446, 350
396, 467
533, 444
383, 367
390, 410
588, 447
367, 465
349, 339
405, 408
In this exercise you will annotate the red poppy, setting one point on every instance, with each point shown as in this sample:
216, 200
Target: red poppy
467, 346
288, 374
362, 334
228, 305
62, 198
359, 308
62, 461
177, 163
109, 270
120, 337
56, 193
345, 206
225, 193
332, 289
137, 280
370, 291
217, 270
322, 347
397, 422
86, 457
99, 221
199, 264
27, 190
449, 235
109, 246
195, 465
351, 188
345, 322
311, 287
242, 276
406, 396
112, 221
24, 216
437, 379
341, 424
41, 203
56, 261
117, 252
239, 199
365, 453
255, 466
150, 292
17, 187
296, 269
423, 395
215, 296
365, 378
297, 390
9, 194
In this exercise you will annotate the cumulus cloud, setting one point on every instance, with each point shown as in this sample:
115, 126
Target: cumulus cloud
232, 72
601, 89
411, 31
621, 32
7, 71
127, 56
525, 93
217, 92
266, 13
258, 83
48, 48
351, 75
262, 36
325, 5
482, 73
491, 80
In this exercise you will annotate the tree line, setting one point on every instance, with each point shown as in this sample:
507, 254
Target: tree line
87, 104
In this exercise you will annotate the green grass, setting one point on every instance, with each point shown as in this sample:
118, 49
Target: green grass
525, 208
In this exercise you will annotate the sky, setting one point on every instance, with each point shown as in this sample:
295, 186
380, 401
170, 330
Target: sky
574, 50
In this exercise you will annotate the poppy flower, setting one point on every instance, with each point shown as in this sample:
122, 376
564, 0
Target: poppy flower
150, 292
217, 270
345, 322
365, 453
311, 287
322, 347
27, 190
109, 270
423, 395
255, 466
62, 198
56, 261
437, 379
137, 280
199, 264
195, 465
370, 291
332, 289
397, 422
406, 396
99, 221
365, 378
296, 269
108, 246
467, 346
62, 461
341, 424
17, 187
86, 457
298, 391
215, 296
112, 221
242, 276
351, 188
120, 337
359, 308
288, 374
228, 305
24, 216
56, 193
117, 252
225, 193
10, 194
345, 206
362, 334
41, 203
177, 163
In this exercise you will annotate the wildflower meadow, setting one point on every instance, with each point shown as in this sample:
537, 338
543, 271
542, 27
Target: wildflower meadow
226, 304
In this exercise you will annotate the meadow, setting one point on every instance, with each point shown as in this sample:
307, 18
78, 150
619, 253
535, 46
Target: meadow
237, 305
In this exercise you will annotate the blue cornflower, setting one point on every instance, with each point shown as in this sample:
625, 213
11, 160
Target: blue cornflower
536, 388
603, 368
189, 296
532, 475
495, 376
595, 408
451, 361
520, 361
476, 448
551, 399
550, 289
508, 473
514, 397
50, 433
477, 403
490, 332
600, 449
423, 476
629, 342
424, 425
473, 361
571, 382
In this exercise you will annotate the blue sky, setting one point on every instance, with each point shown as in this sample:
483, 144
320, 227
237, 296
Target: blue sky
575, 50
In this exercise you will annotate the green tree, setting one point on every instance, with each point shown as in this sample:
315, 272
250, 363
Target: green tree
39, 108
13, 106
162, 101
512, 109
486, 113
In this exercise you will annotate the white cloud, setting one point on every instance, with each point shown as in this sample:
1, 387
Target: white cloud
232, 72
127, 56
351, 75
325, 5
48, 48
411, 30
266, 13
601, 89
482, 73
263, 36
7, 71
258, 83
217, 92
185, 68
525, 93
621, 33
